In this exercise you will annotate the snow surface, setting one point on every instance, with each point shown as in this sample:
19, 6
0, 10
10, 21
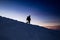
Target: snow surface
15, 30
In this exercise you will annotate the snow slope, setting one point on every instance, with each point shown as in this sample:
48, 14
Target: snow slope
14, 30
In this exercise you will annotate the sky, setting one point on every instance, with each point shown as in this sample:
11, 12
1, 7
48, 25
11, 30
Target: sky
43, 12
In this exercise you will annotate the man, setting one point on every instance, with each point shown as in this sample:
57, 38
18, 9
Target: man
28, 19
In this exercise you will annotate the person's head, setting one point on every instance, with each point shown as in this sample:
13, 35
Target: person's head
29, 15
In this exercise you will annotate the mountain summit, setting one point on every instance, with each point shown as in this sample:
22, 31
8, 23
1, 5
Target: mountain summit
14, 30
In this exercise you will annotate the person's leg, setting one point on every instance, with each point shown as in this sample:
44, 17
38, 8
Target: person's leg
29, 21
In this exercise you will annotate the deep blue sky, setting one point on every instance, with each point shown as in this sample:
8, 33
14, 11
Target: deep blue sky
43, 12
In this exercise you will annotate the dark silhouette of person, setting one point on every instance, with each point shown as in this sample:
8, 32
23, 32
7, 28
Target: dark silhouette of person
28, 19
